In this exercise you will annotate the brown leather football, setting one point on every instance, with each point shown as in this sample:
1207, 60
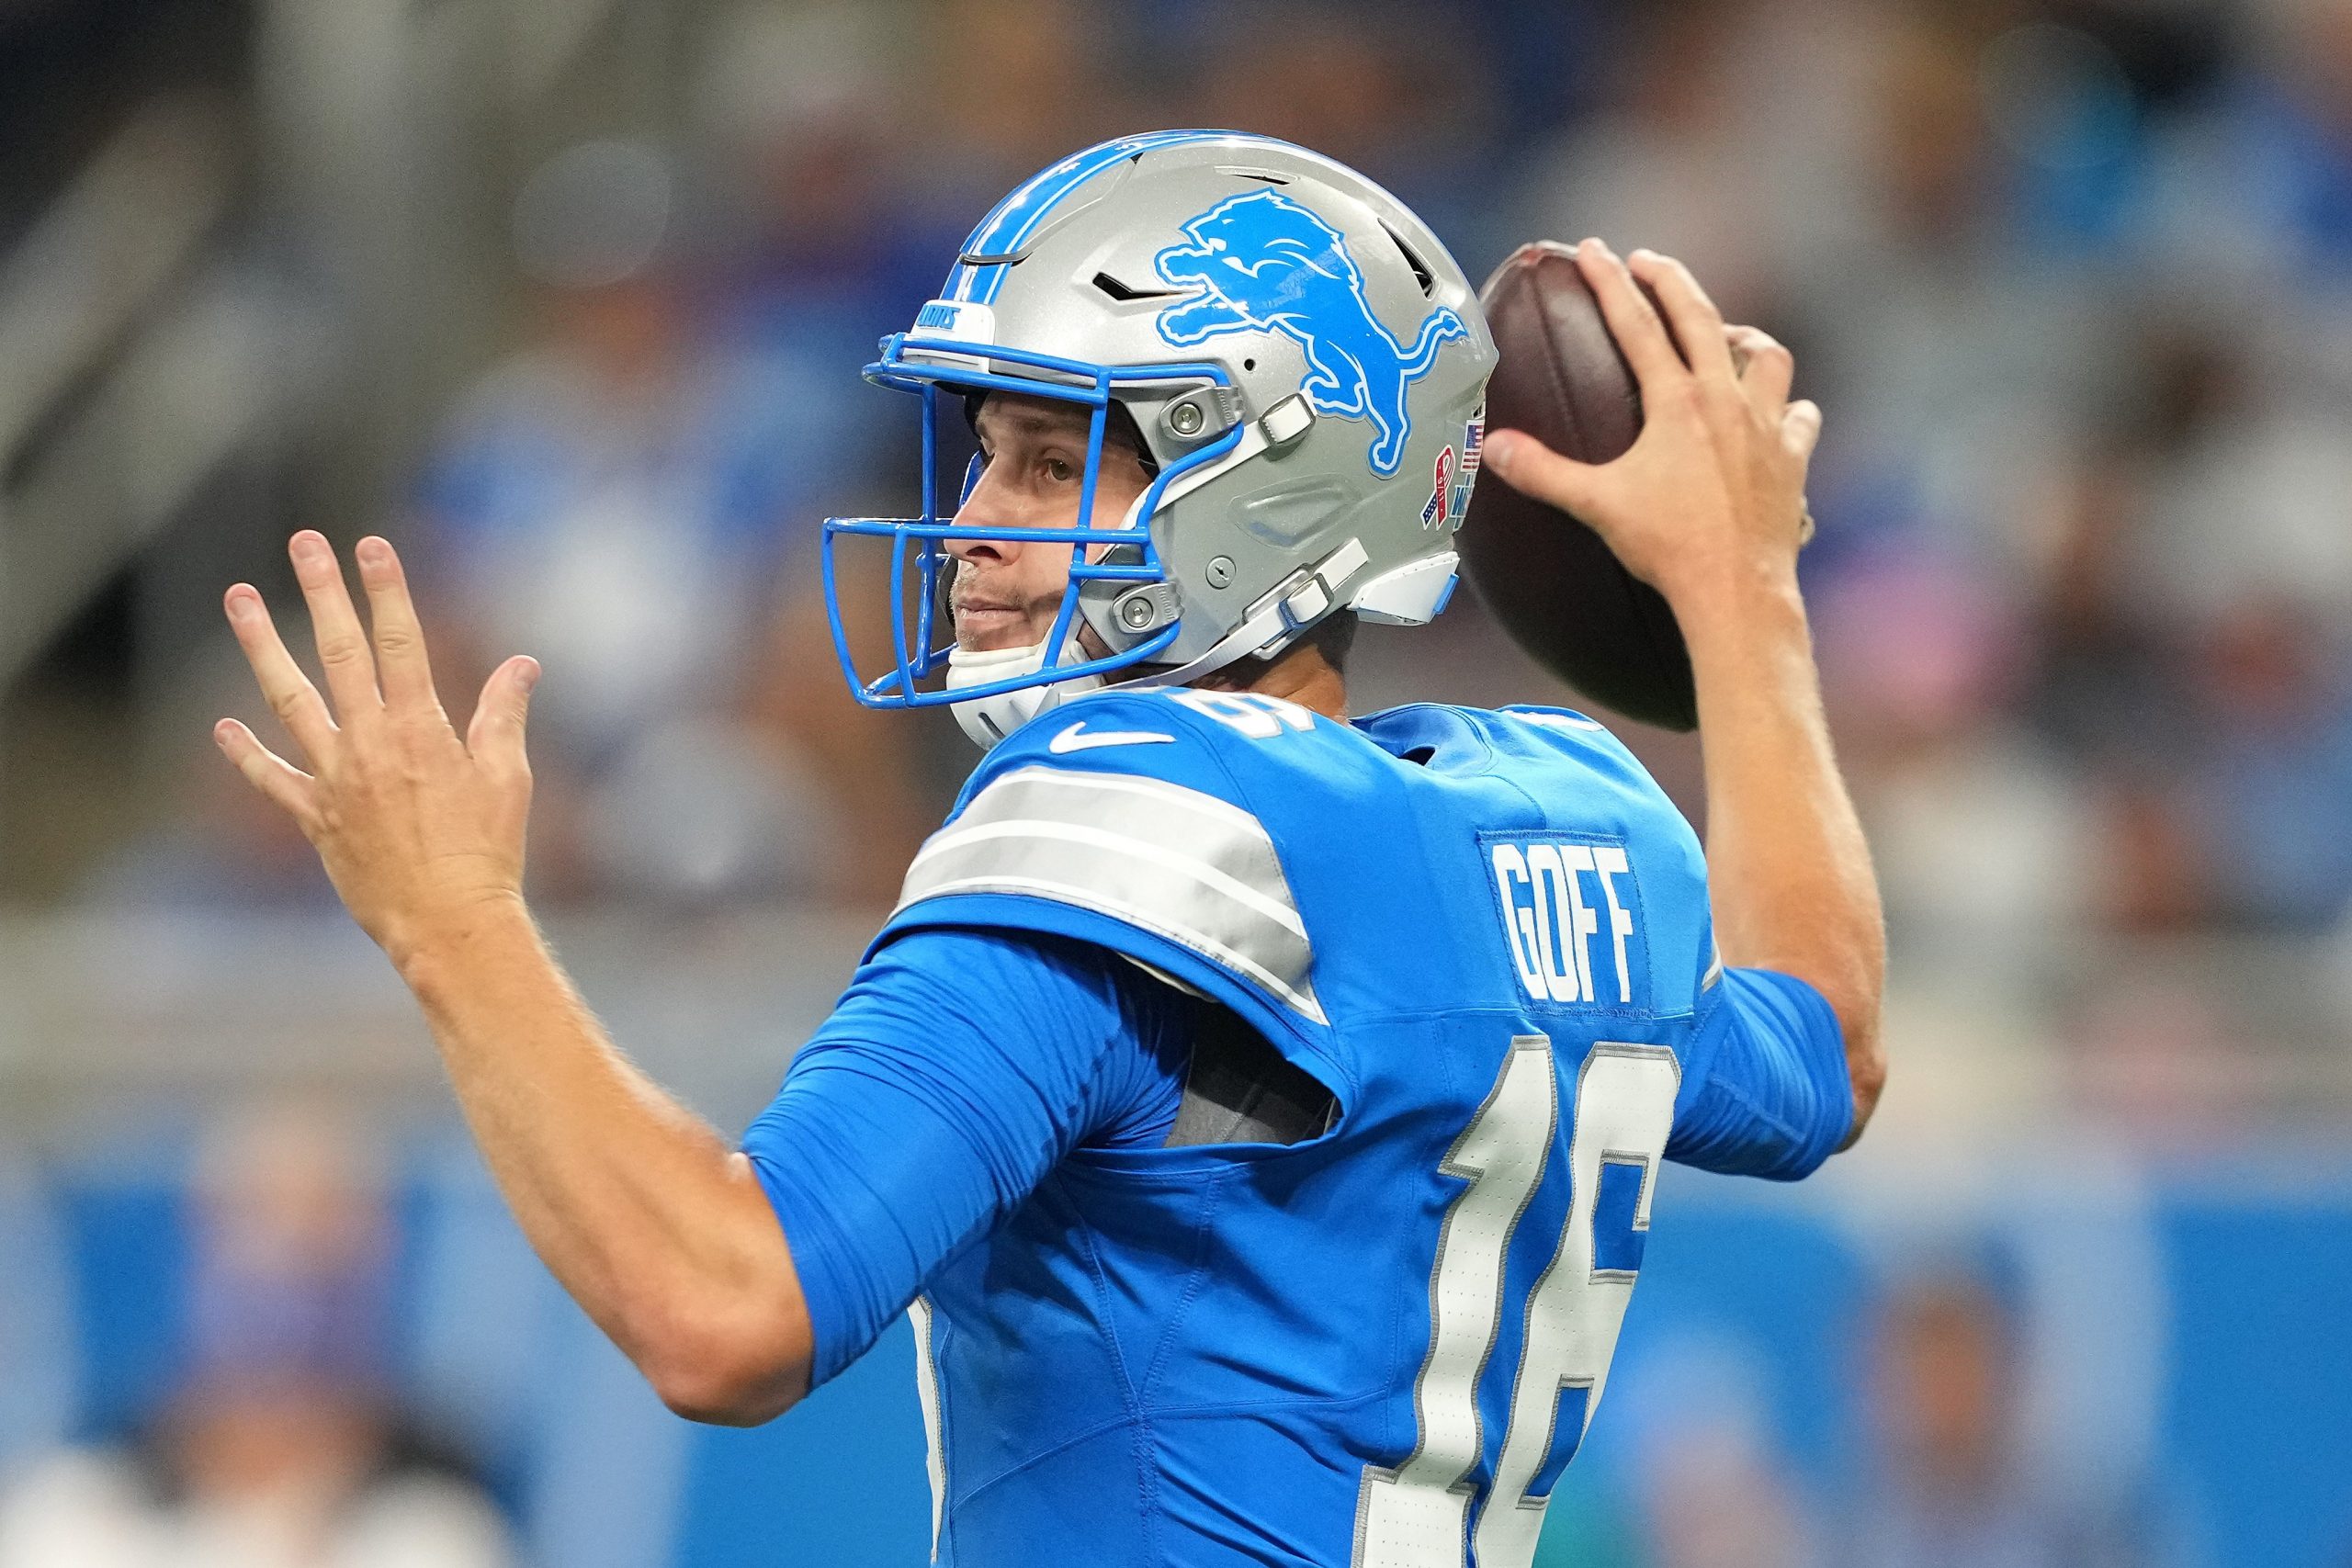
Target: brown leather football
1548, 579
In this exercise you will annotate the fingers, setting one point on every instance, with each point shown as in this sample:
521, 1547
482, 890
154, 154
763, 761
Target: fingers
1698, 325
495, 736
267, 771
402, 667
1532, 469
343, 645
288, 691
1641, 336
1766, 369
1801, 427
1800, 433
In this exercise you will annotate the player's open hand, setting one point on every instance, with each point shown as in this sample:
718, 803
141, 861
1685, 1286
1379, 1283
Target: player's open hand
1711, 496
418, 829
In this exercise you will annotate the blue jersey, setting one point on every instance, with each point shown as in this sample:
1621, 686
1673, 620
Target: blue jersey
1484, 933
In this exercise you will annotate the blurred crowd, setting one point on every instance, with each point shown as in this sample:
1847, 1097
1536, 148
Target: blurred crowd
274, 1435
2072, 280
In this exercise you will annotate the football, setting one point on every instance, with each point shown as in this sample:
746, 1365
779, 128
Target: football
1549, 580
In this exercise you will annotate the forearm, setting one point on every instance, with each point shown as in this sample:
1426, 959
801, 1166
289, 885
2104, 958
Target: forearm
1705, 507
658, 1230
1789, 873
654, 1225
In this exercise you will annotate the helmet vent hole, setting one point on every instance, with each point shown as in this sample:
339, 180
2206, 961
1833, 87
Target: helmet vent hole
1249, 364
1123, 292
1421, 274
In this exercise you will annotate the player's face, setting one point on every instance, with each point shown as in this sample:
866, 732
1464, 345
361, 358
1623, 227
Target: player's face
1007, 593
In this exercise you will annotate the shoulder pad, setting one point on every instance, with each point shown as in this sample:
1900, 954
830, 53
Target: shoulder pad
1119, 805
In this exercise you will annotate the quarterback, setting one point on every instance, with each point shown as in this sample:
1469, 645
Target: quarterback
1259, 1108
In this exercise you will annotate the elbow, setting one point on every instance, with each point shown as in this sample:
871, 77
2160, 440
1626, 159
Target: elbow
727, 1369
1865, 1068
712, 1403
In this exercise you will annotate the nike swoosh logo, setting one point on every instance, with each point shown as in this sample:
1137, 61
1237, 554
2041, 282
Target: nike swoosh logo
1071, 740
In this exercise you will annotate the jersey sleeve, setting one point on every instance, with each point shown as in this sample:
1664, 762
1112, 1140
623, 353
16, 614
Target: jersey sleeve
1117, 820
956, 1070
1765, 1089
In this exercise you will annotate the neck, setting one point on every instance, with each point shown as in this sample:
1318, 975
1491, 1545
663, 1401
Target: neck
1300, 675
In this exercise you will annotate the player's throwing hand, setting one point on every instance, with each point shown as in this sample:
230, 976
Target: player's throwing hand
417, 829
1711, 497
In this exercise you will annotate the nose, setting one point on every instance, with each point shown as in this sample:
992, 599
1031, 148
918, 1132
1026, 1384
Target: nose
980, 508
969, 547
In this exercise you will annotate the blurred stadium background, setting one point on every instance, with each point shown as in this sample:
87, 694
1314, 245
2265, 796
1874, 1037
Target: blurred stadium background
568, 297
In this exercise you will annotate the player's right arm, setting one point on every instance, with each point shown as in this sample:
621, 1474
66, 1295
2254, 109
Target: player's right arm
1706, 508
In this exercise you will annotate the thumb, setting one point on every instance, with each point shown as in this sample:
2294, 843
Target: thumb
1534, 469
496, 733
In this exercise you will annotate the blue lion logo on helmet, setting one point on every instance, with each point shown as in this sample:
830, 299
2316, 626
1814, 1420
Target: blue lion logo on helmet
1263, 263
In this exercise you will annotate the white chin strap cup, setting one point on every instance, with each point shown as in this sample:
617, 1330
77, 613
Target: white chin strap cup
990, 719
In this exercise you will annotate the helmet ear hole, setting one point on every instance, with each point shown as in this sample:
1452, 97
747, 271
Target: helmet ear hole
1121, 425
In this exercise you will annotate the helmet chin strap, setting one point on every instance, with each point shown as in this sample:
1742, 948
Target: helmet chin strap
990, 719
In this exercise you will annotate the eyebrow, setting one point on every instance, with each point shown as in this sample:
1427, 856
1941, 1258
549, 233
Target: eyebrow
1030, 422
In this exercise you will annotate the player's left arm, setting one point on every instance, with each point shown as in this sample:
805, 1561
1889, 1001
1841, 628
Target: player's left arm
657, 1228
1706, 507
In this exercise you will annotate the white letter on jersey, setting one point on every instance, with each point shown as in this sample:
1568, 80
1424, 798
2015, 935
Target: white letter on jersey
1519, 925
1559, 898
1610, 861
1544, 871
1582, 921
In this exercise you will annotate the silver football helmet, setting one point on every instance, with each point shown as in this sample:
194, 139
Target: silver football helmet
1304, 362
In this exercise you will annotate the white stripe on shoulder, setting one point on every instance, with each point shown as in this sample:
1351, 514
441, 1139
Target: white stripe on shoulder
1299, 997
1277, 910
1176, 861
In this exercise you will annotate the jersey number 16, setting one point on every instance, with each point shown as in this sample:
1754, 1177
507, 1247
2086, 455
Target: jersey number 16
1418, 1514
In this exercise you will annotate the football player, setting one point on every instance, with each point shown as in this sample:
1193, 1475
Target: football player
1260, 1109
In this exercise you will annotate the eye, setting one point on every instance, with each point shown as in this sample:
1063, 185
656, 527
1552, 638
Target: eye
1059, 470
